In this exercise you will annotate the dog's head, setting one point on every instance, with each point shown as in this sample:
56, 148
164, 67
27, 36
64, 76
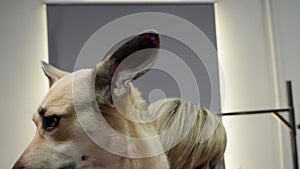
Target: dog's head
60, 142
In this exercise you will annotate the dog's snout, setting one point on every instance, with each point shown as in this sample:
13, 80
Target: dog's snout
18, 165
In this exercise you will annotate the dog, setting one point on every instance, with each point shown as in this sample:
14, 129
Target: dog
70, 136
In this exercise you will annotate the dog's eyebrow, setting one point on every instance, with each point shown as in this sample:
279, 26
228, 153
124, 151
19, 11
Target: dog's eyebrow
41, 111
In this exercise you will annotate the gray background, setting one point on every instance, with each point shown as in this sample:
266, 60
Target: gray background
70, 26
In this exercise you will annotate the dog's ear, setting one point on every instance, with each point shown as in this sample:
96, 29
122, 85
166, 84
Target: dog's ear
130, 61
53, 73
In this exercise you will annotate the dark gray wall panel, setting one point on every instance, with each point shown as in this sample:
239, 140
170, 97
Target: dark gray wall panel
70, 26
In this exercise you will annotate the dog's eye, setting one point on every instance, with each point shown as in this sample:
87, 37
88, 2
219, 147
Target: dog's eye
50, 122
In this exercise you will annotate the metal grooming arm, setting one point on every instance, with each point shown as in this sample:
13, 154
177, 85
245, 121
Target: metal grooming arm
291, 124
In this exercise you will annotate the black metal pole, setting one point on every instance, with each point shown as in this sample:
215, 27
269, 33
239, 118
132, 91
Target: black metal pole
251, 112
274, 111
293, 124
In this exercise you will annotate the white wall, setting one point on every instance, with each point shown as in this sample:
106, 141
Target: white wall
285, 17
246, 55
22, 46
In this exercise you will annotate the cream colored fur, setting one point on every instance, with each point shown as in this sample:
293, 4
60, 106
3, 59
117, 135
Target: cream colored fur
67, 146
69, 142
203, 145
184, 135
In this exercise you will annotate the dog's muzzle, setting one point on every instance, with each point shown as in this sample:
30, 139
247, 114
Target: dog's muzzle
19, 165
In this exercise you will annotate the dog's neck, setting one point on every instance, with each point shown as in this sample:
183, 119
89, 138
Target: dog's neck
124, 124
132, 107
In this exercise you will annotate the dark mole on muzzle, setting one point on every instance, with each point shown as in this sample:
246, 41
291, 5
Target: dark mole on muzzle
84, 157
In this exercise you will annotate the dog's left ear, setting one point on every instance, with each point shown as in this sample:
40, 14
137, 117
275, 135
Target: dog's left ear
53, 73
127, 63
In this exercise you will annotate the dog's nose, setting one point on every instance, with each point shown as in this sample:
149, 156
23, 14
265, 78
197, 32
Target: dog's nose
18, 165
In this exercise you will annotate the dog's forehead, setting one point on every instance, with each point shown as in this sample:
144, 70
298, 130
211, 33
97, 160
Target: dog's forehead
59, 97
